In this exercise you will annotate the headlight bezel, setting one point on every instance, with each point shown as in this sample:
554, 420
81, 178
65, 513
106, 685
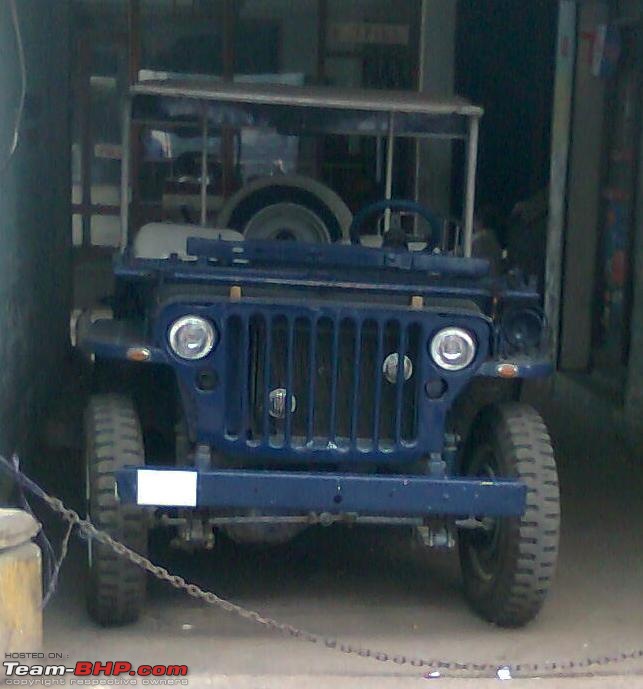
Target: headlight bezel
511, 339
211, 336
469, 339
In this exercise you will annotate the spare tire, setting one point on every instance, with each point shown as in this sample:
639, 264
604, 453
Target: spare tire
310, 201
287, 221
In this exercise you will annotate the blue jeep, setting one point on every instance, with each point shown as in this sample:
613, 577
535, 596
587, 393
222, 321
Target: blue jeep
366, 371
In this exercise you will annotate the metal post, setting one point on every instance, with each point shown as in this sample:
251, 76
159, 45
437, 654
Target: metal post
470, 189
125, 172
135, 145
204, 168
558, 171
390, 152
420, 86
85, 112
230, 9
20, 583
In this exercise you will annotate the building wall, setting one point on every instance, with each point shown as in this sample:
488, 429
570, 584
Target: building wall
634, 383
298, 24
584, 224
34, 220
583, 197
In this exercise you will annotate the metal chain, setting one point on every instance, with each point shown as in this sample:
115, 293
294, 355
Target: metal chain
433, 667
55, 572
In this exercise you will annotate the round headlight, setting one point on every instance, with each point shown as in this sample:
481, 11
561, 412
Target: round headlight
453, 349
192, 337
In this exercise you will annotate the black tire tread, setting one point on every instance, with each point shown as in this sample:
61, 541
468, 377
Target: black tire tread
522, 438
114, 439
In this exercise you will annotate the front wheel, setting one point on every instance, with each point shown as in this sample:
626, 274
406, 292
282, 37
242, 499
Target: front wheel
113, 440
507, 567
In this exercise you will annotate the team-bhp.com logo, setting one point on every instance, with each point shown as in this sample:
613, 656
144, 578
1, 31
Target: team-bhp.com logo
90, 673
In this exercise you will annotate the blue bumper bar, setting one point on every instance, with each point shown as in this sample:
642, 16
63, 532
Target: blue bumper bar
280, 492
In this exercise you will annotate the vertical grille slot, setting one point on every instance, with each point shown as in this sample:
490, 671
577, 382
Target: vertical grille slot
312, 378
259, 376
301, 376
323, 374
290, 355
355, 394
346, 356
377, 376
334, 373
368, 373
237, 382
280, 369
400, 382
413, 387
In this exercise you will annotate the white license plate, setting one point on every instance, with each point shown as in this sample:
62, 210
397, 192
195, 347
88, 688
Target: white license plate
166, 488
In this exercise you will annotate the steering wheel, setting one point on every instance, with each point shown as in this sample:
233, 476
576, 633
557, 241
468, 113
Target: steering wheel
396, 205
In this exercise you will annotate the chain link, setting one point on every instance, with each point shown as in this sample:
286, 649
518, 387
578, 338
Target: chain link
442, 667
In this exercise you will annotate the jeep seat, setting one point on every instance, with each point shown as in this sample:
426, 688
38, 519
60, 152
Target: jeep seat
160, 240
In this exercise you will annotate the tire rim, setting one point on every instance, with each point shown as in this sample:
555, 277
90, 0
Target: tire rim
483, 544
289, 222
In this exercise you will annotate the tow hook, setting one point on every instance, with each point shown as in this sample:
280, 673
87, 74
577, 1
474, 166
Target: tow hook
192, 534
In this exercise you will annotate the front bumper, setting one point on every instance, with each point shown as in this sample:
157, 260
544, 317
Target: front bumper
281, 492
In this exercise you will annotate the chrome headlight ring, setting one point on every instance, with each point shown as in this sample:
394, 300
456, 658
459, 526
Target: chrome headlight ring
453, 349
192, 337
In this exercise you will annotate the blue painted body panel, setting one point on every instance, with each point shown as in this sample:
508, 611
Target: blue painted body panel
281, 492
310, 259
313, 267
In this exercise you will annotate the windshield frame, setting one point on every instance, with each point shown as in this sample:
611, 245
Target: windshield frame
214, 104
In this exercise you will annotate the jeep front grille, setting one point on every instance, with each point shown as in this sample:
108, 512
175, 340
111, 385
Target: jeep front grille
328, 372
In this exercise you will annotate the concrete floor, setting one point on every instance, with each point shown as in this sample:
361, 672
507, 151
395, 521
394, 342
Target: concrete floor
378, 590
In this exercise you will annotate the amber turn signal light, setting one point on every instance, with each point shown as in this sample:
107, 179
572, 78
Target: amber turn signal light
507, 370
138, 354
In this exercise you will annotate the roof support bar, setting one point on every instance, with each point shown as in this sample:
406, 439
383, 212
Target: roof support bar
470, 188
390, 153
126, 143
204, 167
